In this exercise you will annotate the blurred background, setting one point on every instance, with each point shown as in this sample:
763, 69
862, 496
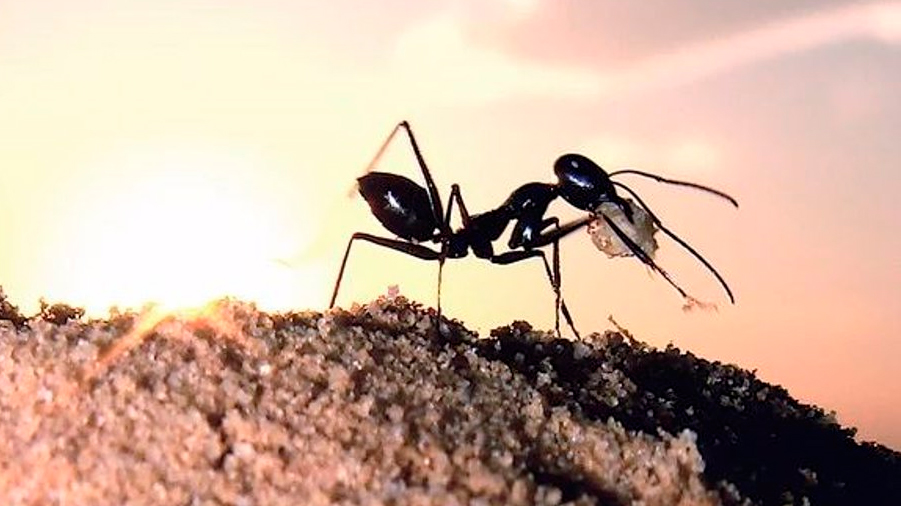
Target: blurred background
178, 151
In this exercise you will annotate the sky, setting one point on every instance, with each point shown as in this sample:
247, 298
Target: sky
179, 151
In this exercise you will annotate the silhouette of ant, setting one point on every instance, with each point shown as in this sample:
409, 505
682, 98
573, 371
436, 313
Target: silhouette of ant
415, 215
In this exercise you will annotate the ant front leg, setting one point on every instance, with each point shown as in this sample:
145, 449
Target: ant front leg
636, 250
560, 232
395, 244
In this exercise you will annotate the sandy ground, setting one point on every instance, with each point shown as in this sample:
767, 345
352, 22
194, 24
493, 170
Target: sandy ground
231, 405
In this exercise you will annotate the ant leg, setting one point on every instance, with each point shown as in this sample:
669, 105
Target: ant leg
331, 303
434, 196
555, 252
636, 250
457, 197
678, 239
404, 247
440, 271
454, 197
560, 232
556, 278
437, 211
553, 238
511, 257
560, 304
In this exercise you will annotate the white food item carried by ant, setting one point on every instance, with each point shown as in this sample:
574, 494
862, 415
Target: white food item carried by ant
641, 232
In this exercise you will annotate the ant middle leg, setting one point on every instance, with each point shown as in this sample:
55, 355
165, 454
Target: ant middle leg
456, 197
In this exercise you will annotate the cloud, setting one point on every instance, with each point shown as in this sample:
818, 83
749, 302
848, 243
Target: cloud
440, 61
436, 62
522, 8
616, 33
879, 21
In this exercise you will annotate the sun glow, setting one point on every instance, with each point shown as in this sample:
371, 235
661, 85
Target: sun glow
178, 228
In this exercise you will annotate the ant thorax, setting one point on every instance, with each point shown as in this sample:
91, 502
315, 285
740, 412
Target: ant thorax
641, 231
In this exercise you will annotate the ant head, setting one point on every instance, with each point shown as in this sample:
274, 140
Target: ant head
583, 183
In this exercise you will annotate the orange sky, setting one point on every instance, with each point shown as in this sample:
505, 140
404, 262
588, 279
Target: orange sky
180, 150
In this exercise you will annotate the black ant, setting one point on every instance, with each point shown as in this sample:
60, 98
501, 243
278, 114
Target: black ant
416, 214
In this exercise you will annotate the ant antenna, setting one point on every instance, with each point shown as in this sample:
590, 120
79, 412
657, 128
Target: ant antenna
676, 238
642, 255
676, 182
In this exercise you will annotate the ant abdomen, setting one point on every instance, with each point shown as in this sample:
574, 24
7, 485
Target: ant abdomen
402, 206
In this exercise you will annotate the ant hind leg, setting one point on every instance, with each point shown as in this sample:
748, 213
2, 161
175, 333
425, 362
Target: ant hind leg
409, 248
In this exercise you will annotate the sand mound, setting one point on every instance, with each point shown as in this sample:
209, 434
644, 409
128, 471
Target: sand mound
236, 406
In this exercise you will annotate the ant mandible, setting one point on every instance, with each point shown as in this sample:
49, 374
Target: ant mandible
415, 214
